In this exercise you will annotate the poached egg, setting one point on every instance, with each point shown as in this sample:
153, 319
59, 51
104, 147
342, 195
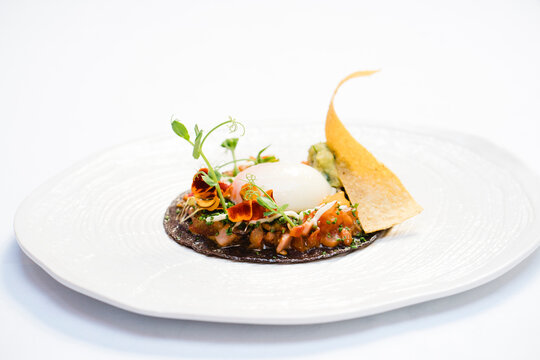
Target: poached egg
296, 184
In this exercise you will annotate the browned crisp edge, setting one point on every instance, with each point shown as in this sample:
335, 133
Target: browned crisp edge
181, 234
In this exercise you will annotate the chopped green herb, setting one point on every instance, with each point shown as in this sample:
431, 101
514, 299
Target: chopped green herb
328, 222
357, 242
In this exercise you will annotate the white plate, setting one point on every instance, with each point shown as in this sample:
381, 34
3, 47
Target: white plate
97, 228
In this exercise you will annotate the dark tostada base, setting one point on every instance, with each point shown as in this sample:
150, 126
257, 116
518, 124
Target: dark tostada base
239, 252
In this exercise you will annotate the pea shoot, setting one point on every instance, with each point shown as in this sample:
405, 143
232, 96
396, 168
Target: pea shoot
213, 176
230, 144
264, 159
266, 200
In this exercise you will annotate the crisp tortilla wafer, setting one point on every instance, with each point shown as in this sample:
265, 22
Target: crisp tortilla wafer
382, 199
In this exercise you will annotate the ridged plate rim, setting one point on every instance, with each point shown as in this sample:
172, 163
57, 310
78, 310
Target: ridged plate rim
527, 179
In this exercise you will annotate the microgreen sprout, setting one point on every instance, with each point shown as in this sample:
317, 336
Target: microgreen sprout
230, 144
357, 242
257, 160
265, 200
264, 159
213, 176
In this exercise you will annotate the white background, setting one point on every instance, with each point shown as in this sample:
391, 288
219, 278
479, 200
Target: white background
77, 77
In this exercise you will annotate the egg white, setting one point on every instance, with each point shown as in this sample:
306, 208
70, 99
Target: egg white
296, 184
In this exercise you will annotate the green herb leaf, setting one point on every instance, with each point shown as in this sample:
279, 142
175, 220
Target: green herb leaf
230, 144
268, 159
180, 129
207, 179
260, 153
197, 143
266, 202
260, 160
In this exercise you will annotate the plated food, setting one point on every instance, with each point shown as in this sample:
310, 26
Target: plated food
98, 229
264, 210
